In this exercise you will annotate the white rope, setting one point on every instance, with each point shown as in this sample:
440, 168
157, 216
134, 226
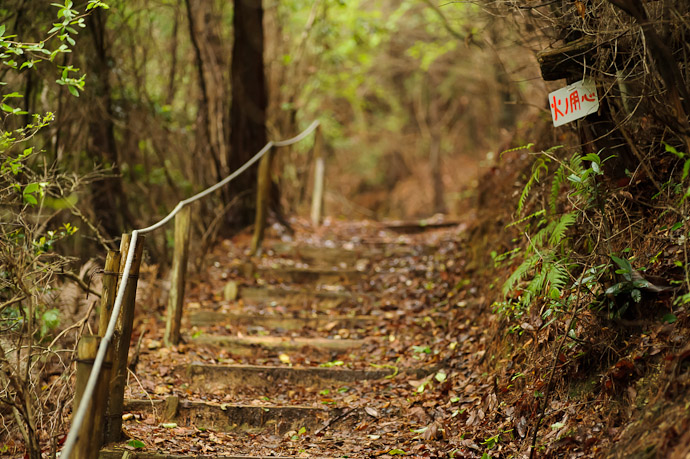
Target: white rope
110, 331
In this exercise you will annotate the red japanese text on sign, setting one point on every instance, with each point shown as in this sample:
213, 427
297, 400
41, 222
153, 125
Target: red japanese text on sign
573, 102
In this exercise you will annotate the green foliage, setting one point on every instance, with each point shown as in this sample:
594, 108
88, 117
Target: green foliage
686, 171
627, 289
545, 270
29, 263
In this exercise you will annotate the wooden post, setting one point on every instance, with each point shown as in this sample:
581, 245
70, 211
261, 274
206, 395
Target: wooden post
178, 275
319, 170
262, 196
90, 437
109, 291
123, 334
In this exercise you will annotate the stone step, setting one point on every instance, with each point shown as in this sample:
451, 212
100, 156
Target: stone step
318, 256
208, 318
325, 299
418, 226
214, 378
249, 345
229, 417
309, 275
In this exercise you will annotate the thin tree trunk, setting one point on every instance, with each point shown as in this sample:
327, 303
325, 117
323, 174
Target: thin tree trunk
249, 102
109, 203
204, 113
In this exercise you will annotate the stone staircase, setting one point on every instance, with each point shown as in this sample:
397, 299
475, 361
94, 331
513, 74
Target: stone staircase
284, 353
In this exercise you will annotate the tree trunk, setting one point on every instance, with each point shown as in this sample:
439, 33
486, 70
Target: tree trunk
249, 102
108, 199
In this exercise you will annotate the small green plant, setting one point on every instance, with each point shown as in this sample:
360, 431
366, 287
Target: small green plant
627, 289
545, 270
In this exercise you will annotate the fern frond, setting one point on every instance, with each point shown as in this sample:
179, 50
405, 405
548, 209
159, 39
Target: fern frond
561, 227
536, 285
520, 272
559, 179
540, 237
557, 276
539, 166
522, 147
524, 219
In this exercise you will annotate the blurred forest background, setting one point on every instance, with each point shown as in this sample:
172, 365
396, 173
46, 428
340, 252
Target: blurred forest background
111, 112
412, 98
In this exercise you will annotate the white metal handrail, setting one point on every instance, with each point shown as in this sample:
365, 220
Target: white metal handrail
107, 337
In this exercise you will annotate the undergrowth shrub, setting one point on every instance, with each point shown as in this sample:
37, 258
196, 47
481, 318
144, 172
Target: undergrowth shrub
549, 269
35, 359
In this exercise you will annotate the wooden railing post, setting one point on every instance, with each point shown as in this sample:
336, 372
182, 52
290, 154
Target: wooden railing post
178, 276
123, 334
319, 170
90, 437
109, 291
262, 195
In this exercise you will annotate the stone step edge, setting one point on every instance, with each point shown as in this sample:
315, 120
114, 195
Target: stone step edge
206, 317
277, 343
229, 417
337, 374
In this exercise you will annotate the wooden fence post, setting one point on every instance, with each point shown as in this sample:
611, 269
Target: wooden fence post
90, 437
319, 170
109, 291
123, 334
178, 276
262, 196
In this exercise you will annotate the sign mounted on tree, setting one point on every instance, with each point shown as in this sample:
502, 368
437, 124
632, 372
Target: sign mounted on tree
573, 102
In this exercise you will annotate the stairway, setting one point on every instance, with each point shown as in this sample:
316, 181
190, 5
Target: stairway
289, 356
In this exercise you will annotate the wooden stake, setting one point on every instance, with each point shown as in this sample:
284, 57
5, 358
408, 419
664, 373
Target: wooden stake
109, 291
178, 276
123, 335
90, 438
319, 170
262, 196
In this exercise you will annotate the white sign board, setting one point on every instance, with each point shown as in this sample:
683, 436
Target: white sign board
573, 102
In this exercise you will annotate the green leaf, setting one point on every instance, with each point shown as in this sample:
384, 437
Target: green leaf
624, 264
397, 452
672, 150
136, 443
169, 425
30, 199
574, 178
31, 188
441, 376
51, 318
593, 157
615, 289
670, 318
636, 295
421, 349
2, 30
73, 90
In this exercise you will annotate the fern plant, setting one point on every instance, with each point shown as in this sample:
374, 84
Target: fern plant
545, 270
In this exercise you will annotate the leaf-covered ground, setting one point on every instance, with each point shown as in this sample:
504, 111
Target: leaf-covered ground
416, 301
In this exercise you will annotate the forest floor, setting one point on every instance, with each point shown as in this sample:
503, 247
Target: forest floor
337, 343
366, 339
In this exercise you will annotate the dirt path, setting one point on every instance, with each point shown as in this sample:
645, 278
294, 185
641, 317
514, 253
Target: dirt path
330, 345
